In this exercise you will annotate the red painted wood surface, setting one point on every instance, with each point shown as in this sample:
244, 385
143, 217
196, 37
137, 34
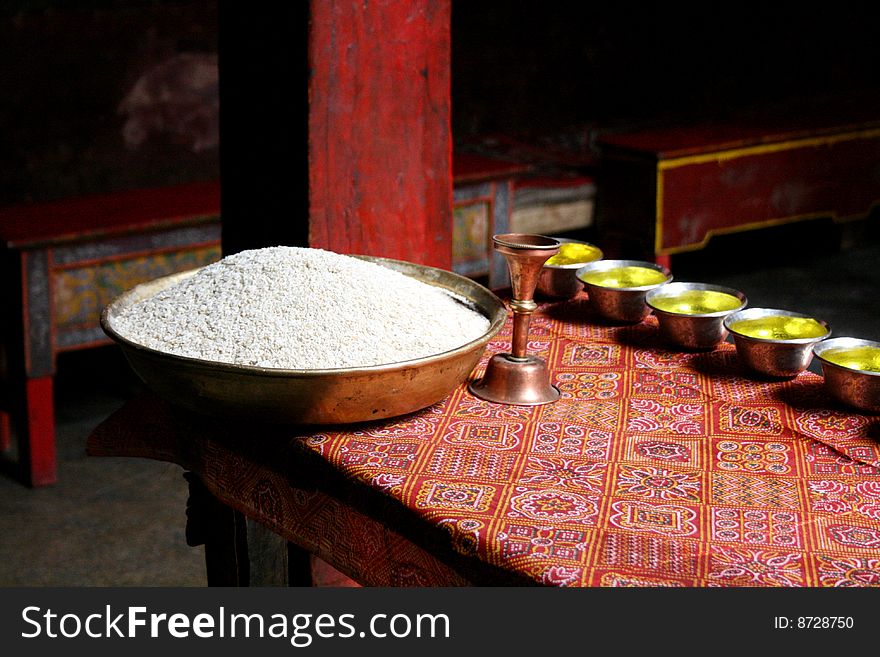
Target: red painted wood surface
561, 181
468, 168
380, 146
685, 140
30, 226
38, 455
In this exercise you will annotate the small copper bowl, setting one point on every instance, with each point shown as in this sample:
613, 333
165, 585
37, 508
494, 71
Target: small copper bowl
561, 281
776, 357
688, 313
622, 303
849, 382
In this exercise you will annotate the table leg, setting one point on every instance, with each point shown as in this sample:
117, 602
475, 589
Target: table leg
238, 550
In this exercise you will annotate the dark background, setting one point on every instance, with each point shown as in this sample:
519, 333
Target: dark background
544, 66
65, 69
523, 67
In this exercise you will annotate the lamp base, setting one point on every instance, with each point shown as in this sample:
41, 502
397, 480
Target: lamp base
519, 382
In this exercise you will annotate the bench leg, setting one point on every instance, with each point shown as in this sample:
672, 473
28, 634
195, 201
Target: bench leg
37, 456
33, 414
5, 432
29, 360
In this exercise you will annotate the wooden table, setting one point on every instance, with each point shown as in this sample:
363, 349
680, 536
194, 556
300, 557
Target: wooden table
655, 468
62, 263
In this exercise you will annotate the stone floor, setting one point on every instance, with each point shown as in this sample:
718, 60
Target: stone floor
108, 521
120, 522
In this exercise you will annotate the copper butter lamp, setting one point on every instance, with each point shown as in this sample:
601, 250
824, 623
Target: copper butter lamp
517, 378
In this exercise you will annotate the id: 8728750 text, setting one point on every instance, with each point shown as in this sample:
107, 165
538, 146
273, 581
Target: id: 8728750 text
813, 622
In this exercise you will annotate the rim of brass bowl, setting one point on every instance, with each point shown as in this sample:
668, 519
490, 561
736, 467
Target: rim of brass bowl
576, 265
671, 289
325, 396
756, 313
820, 348
604, 265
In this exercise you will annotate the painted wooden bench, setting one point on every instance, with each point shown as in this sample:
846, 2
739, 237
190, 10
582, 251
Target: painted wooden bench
62, 263
494, 195
670, 190
482, 204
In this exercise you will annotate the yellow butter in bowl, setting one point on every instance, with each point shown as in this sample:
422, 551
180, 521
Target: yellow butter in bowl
866, 359
696, 302
573, 253
779, 327
624, 277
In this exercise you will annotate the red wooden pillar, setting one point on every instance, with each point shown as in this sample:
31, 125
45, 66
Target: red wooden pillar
380, 142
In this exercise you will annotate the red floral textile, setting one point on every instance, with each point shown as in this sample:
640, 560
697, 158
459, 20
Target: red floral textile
657, 467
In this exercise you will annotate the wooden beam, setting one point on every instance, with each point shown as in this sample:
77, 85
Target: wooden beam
380, 143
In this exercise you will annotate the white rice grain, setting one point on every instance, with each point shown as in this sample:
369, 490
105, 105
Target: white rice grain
299, 308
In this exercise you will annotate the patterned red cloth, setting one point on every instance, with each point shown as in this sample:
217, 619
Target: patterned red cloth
656, 468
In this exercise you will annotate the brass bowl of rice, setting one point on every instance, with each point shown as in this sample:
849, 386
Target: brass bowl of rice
337, 395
